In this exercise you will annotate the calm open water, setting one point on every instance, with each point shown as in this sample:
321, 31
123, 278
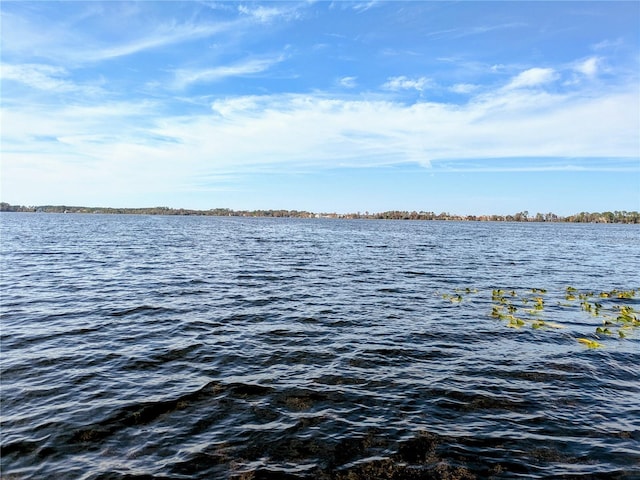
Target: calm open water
199, 347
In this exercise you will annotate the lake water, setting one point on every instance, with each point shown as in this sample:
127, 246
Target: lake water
252, 348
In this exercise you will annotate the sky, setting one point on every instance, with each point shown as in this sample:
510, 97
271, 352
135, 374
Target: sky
461, 107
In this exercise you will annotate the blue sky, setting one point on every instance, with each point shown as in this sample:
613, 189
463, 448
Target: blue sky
462, 107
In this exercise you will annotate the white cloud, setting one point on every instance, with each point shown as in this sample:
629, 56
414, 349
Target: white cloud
463, 88
393, 52
588, 67
250, 66
533, 78
348, 82
266, 14
364, 6
45, 77
455, 33
406, 83
608, 44
80, 150
230, 106
74, 41
41, 77
161, 36
66, 43
114, 149
298, 129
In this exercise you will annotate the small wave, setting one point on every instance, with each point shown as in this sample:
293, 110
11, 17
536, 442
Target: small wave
141, 309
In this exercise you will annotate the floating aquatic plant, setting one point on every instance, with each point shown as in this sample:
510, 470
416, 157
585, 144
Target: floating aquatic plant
457, 297
626, 294
539, 303
589, 343
452, 298
569, 293
628, 316
515, 322
617, 320
466, 290
504, 302
618, 294
596, 308
538, 324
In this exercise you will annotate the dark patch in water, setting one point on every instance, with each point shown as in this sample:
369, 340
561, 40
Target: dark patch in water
142, 309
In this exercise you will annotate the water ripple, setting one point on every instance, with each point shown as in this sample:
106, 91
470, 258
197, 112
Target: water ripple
181, 347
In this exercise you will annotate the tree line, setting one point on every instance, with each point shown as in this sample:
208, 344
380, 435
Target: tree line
618, 216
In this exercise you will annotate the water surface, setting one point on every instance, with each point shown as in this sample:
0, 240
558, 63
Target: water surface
200, 347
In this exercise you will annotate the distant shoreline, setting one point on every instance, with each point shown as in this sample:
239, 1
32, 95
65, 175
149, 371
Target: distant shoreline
623, 216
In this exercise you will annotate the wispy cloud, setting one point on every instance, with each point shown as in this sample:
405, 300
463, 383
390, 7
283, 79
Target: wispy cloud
463, 88
264, 14
608, 44
161, 36
41, 77
26, 36
32, 37
406, 83
47, 78
394, 52
534, 164
358, 7
92, 150
364, 6
22, 124
251, 66
348, 82
533, 77
234, 105
455, 33
328, 131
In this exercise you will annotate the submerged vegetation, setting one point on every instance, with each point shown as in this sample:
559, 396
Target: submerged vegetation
615, 318
583, 217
